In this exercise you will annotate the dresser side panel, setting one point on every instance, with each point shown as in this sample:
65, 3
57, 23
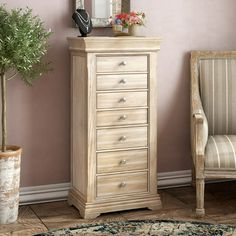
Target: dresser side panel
91, 89
153, 122
79, 123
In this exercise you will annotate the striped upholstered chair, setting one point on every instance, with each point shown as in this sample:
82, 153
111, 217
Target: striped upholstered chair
213, 118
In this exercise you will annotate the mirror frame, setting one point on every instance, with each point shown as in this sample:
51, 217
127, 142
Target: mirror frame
121, 6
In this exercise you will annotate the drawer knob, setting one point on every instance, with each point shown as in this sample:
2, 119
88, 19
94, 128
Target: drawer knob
123, 162
122, 138
123, 81
123, 99
123, 63
123, 117
122, 184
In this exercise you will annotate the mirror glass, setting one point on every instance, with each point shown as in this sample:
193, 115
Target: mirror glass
98, 9
101, 10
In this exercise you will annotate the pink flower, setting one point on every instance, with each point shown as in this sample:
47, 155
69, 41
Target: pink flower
128, 19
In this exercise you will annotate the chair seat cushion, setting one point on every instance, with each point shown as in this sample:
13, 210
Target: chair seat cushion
220, 152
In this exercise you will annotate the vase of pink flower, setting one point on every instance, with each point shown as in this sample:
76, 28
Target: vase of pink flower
128, 23
136, 20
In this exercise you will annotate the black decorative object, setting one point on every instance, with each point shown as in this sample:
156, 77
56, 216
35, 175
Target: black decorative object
83, 21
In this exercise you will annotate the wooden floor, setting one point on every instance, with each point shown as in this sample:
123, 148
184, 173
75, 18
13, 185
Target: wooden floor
178, 204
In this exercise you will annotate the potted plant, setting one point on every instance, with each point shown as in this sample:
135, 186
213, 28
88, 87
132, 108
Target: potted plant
23, 43
136, 20
128, 23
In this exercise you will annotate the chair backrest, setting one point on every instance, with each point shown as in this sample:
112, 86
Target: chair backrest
217, 85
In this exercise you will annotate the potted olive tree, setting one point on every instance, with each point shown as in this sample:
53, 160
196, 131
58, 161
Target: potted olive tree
23, 43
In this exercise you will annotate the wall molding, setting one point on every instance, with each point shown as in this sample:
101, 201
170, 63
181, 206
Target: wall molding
174, 179
58, 192
44, 193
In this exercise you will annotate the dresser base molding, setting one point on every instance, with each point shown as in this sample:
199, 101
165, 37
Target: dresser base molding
93, 210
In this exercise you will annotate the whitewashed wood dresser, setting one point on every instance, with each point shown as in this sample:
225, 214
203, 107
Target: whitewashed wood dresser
113, 124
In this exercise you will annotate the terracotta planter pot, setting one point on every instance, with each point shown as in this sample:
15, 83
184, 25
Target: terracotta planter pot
9, 184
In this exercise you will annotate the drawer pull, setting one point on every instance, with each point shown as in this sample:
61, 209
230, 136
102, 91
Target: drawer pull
122, 184
123, 63
123, 117
123, 99
122, 138
123, 81
123, 162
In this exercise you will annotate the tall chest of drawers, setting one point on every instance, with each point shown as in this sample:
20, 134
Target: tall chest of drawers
113, 124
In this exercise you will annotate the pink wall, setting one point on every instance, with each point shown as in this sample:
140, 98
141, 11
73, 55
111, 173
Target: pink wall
39, 117
183, 26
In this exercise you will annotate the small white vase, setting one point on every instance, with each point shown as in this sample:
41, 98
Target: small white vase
136, 30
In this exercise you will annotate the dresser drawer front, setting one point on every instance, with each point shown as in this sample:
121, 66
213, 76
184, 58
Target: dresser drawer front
122, 184
122, 117
136, 63
121, 138
135, 81
119, 100
111, 162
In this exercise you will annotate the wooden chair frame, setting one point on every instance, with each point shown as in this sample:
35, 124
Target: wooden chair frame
199, 130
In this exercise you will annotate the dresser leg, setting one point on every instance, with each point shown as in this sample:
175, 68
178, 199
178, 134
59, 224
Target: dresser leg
69, 202
154, 207
89, 215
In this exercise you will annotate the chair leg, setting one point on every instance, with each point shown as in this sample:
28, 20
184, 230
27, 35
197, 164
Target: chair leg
200, 188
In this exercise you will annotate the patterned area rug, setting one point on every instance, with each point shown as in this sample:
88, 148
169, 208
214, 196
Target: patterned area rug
147, 227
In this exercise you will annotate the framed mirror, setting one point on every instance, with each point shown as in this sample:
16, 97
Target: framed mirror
101, 10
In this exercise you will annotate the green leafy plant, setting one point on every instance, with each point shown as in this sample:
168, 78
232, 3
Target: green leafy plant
23, 44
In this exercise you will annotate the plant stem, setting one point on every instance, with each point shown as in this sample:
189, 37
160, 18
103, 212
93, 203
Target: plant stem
4, 111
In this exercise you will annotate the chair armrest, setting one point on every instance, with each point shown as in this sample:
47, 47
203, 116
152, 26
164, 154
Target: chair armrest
198, 116
199, 129
199, 125
197, 111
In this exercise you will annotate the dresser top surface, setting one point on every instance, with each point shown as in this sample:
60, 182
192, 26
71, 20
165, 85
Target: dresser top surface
125, 43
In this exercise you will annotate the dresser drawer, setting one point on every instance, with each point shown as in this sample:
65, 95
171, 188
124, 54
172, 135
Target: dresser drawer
122, 184
110, 162
122, 117
136, 63
121, 138
119, 100
135, 81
